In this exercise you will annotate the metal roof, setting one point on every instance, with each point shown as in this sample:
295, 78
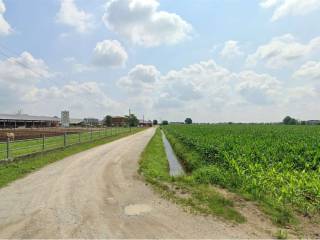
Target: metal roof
76, 120
26, 117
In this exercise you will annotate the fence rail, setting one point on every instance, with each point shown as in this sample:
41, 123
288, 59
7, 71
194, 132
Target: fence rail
10, 150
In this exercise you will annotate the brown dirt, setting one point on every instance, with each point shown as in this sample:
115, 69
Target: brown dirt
29, 133
98, 194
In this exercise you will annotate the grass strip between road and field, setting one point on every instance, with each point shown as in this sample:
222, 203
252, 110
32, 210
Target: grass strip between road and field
12, 171
181, 190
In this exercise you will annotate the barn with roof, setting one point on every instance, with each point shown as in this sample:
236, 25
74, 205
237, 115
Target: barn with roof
27, 121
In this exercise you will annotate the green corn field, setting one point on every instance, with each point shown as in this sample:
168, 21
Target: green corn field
272, 163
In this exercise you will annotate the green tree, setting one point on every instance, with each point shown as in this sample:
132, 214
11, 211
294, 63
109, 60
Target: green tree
286, 120
290, 121
107, 121
188, 121
165, 122
132, 120
155, 122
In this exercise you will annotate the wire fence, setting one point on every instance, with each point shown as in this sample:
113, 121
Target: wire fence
10, 149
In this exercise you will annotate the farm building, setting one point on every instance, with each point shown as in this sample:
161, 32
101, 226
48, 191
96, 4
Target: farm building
76, 122
313, 122
144, 123
91, 122
27, 121
119, 121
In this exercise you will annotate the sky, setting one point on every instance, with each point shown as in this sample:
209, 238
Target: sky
211, 60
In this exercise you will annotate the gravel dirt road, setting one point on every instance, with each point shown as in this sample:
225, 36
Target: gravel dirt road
98, 194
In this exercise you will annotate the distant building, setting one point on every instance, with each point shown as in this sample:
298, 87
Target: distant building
144, 123
119, 121
313, 122
76, 122
65, 119
91, 121
27, 121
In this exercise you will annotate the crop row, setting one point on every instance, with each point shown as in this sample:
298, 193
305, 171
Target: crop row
276, 164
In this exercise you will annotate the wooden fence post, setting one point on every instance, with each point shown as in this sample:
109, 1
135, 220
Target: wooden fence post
65, 139
8, 148
79, 137
43, 142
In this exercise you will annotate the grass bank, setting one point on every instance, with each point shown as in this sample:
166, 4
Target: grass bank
12, 171
197, 198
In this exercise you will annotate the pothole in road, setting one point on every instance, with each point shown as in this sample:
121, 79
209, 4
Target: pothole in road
137, 209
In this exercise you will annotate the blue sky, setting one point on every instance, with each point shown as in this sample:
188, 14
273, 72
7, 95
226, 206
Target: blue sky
211, 60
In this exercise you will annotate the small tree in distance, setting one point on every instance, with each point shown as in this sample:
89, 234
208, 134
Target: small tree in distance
290, 121
165, 122
155, 122
107, 121
132, 120
188, 121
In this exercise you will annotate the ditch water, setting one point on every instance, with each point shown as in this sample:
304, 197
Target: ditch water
175, 167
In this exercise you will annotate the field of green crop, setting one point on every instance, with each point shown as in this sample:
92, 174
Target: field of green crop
25, 147
275, 164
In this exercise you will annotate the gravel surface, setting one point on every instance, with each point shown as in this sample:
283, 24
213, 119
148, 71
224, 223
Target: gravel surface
98, 194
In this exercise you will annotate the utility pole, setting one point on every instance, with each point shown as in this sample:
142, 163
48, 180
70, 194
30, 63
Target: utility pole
129, 119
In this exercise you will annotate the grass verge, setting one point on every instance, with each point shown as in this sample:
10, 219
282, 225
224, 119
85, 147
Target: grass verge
193, 197
12, 171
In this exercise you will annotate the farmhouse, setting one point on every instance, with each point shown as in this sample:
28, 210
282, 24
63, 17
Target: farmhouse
119, 121
313, 122
76, 122
143, 123
91, 121
27, 121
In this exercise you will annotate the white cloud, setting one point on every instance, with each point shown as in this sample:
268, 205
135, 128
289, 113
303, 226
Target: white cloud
142, 23
70, 15
106, 54
209, 92
5, 28
21, 87
310, 70
201, 88
85, 99
23, 70
258, 89
109, 53
140, 79
18, 76
78, 67
283, 50
290, 7
195, 81
231, 49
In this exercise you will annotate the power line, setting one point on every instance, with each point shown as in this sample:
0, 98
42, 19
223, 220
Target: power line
9, 50
15, 55
16, 60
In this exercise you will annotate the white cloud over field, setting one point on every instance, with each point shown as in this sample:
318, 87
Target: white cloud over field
5, 28
143, 24
70, 15
310, 70
109, 53
283, 51
22, 87
283, 8
231, 49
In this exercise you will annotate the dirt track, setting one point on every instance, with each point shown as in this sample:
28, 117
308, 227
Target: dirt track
98, 194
